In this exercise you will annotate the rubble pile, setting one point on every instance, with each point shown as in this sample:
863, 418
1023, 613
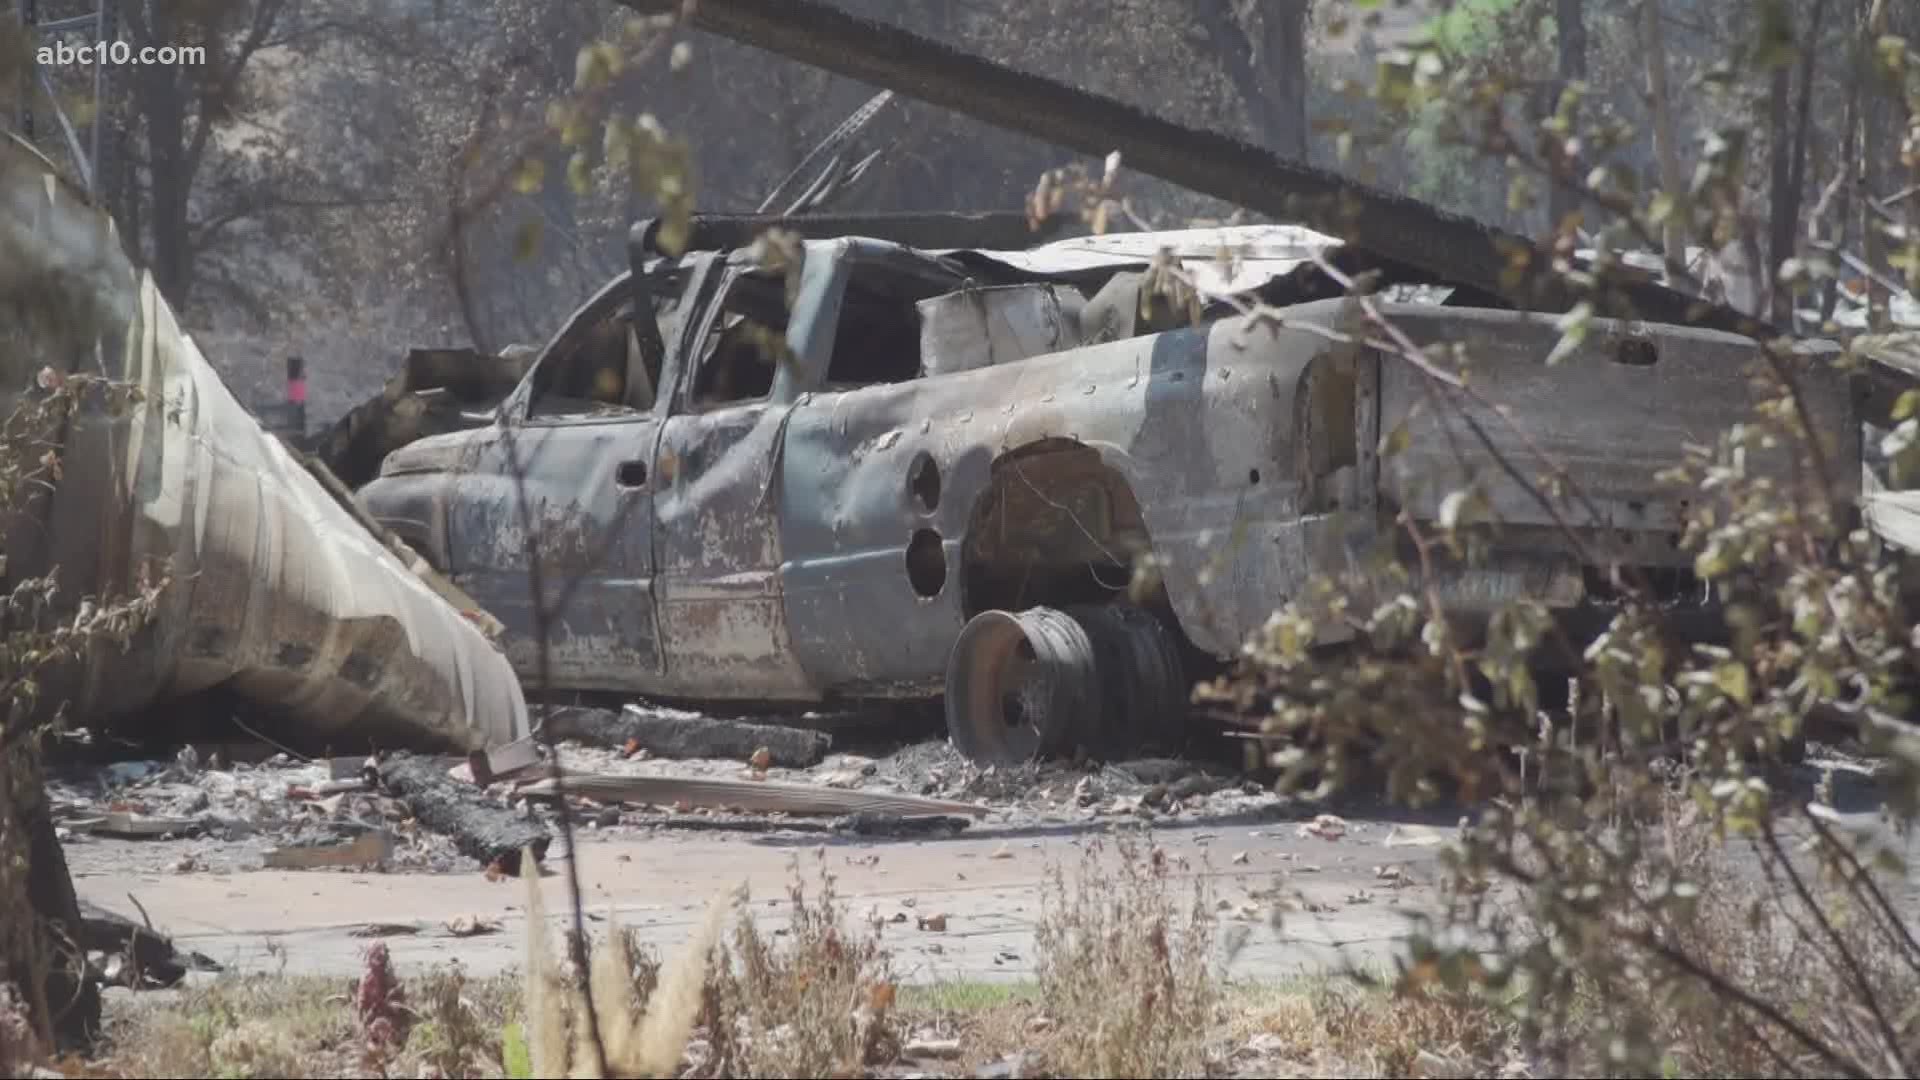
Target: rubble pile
1039, 792
237, 815
203, 811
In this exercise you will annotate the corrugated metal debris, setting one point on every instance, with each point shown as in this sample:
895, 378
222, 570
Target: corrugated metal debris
278, 593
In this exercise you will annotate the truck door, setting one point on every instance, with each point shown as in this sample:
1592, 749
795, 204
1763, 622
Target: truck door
716, 513
583, 446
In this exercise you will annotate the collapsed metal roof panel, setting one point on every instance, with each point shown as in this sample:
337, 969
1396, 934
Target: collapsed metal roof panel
1222, 261
278, 593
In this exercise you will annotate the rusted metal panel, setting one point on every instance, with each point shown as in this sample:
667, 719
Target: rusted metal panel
592, 534
588, 479
277, 591
720, 552
1615, 412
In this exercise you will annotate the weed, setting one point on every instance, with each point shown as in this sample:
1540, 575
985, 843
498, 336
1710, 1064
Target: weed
947, 998
646, 1012
380, 1004
452, 1040
277, 1025
817, 1004
1125, 971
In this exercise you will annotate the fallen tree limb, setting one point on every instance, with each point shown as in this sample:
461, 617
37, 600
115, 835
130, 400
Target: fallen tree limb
672, 735
146, 957
750, 795
480, 828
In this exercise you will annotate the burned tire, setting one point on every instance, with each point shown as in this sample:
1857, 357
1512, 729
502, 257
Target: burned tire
1142, 676
1020, 685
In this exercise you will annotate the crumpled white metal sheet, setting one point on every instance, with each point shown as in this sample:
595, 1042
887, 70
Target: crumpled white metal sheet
1222, 261
277, 593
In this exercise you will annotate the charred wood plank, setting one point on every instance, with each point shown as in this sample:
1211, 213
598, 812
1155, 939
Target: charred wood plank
747, 795
480, 828
683, 736
371, 848
901, 826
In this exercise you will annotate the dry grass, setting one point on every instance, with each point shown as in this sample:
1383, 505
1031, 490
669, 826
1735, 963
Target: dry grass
278, 1025
643, 1013
269, 1026
1322, 1026
814, 1000
1334, 1028
811, 1000
1127, 986
1126, 969
991, 1021
1129, 983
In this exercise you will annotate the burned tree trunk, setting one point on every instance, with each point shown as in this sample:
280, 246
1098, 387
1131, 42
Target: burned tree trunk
38, 953
480, 829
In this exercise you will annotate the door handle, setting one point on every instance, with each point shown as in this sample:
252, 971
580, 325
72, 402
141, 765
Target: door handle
631, 474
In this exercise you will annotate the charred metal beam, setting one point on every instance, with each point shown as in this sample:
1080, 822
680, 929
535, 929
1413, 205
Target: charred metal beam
1450, 247
992, 229
835, 140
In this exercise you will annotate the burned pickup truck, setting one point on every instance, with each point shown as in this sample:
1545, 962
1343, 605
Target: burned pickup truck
862, 470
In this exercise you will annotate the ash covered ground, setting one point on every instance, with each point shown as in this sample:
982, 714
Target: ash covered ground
198, 811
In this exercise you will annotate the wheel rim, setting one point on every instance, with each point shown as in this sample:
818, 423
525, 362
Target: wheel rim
1020, 685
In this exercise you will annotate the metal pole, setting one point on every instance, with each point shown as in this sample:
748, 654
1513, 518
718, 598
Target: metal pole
29, 21
80, 161
103, 115
94, 182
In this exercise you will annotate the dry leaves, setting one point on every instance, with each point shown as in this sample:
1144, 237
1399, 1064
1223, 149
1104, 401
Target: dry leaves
464, 926
1326, 827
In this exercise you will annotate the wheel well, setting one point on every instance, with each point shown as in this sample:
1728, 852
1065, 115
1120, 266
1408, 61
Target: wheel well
1056, 526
